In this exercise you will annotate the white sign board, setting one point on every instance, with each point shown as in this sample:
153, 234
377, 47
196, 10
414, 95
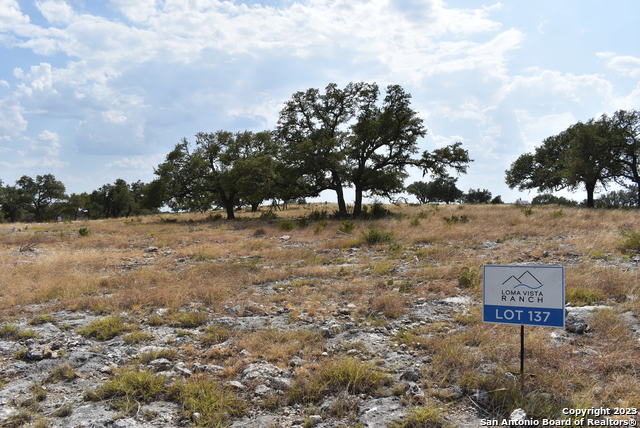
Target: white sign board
526, 295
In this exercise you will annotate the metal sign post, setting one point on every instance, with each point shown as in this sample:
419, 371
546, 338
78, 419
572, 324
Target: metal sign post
525, 295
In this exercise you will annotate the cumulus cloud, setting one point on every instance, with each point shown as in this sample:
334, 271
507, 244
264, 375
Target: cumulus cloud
625, 65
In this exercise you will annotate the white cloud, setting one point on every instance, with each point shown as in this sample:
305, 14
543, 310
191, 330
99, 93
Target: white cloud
56, 11
138, 163
625, 65
51, 146
535, 128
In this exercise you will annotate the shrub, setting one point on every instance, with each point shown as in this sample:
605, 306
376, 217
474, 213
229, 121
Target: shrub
41, 319
377, 236
527, 211
320, 226
316, 215
467, 278
83, 231
456, 219
286, 225
214, 404
584, 296
631, 240
415, 221
268, 215
376, 211
391, 305
104, 328
347, 226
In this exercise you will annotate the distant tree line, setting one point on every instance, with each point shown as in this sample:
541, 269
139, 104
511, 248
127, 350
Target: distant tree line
444, 189
324, 140
43, 198
596, 153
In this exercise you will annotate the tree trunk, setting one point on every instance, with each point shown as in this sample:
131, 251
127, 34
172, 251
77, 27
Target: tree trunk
254, 207
590, 189
228, 206
357, 206
337, 186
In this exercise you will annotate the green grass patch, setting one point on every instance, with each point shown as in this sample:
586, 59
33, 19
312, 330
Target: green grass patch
346, 374
215, 404
584, 296
138, 337
129, 388
104, 328
214, 334
12, 332
187, 319
376, 236
631, 241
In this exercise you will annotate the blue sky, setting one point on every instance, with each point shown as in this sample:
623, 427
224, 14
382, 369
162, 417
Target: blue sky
94, 91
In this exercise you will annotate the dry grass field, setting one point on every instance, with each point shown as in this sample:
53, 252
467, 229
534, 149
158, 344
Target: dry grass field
187, 319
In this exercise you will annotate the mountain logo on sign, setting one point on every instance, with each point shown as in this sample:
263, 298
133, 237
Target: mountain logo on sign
527, 279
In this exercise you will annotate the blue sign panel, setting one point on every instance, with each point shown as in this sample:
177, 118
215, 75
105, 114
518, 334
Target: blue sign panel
526, 295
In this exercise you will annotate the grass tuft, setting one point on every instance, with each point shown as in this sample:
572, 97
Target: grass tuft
104, 328
346, 374
138, 337
128, 388
377, 236
214, 404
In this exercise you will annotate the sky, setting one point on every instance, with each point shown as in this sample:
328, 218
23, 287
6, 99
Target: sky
94, 90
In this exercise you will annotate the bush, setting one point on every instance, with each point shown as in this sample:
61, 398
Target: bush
454, 219
83, 231
316, 215
347, 226
497, 200
286, 225
376, 211
268, 215
548, 198
377, 236
467, 278
631, 240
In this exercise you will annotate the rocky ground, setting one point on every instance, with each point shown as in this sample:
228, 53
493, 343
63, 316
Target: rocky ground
261, 347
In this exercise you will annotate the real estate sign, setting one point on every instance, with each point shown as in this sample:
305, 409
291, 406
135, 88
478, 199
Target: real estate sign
526, 295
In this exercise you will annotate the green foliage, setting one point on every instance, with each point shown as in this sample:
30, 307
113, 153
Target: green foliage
548, 198
619, 199
442, 189
497, 200
187, 319
377, 236
527, 211
83, 231
376, 211
215, 404
454, 219
41, 319
286, 225
347, 226
268, 215
12, 332
631, 241
104, 328
477, 196
584, 296
137, 337
467, 278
